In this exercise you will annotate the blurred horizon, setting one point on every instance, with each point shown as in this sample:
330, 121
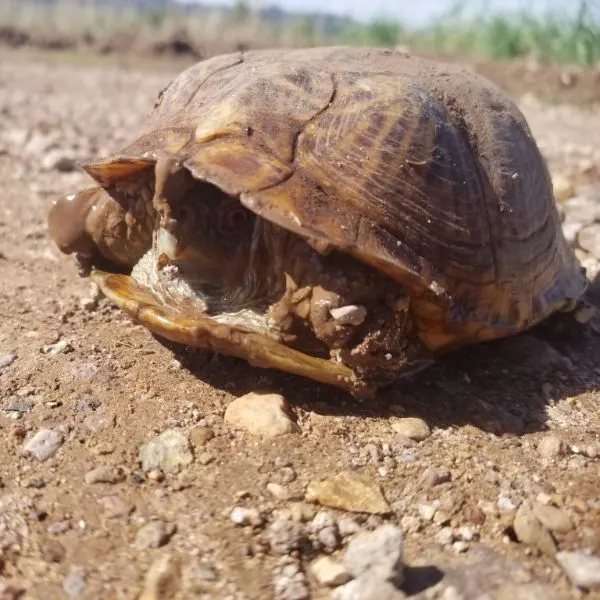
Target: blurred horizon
413, 14
544, 30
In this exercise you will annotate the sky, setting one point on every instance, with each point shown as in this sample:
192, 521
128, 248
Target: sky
412, 12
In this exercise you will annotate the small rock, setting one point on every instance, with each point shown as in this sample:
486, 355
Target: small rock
116, 507
506, 504
52, 552
20, 407
368, 588
59, 528
352, 314
427, 511
6, 360
87, 404
60, 347
154, 535
348, 526
240, 515
285, 536
553, 518
200, 436
286, 475
582, 569
97, 422
170, 451
278, 491
265, 415
44, 444
592, 450
467, 533
162, 580
435, 476
410, 524
444, 536
551, 446
412, 427
588, 239
563, 187
348, 491
74, 584
204, 458
105, 474
530, 530
85, 371
377, 553
103, 448
291, 584
329, 572
329, 538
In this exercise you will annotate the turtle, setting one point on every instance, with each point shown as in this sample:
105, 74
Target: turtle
343, 214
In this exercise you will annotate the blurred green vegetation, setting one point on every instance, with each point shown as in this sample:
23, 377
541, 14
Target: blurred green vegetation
554, 38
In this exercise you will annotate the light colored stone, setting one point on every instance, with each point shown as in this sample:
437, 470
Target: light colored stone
377, 553
427, 511
433, 476
348, 491
551, 446
563, 187
329, 572
553, 518
412, 427
105, 474
582, 569
154, 535
162, 580
530, 530
74, 584
265, 415
349, 315
368, 588
200, 436
240, 515
44, 444
97, 422
170, 451
285, 536
583, 209
6, 360
588, 239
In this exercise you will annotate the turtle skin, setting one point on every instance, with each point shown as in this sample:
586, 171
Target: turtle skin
420, 171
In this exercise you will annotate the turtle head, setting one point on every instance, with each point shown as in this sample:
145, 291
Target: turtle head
101, 226
204, 235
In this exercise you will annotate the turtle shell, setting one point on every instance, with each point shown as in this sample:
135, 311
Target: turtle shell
424, 171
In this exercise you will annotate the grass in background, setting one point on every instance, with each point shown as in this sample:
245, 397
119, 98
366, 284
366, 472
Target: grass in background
552, 38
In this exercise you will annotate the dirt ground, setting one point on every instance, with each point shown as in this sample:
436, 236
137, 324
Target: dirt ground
73, 364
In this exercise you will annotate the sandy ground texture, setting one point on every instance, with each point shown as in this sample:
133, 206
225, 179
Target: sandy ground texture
122, 476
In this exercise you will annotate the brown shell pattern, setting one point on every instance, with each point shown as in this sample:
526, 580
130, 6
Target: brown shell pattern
423, 170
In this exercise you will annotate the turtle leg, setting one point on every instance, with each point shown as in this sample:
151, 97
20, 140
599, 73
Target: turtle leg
204, 332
